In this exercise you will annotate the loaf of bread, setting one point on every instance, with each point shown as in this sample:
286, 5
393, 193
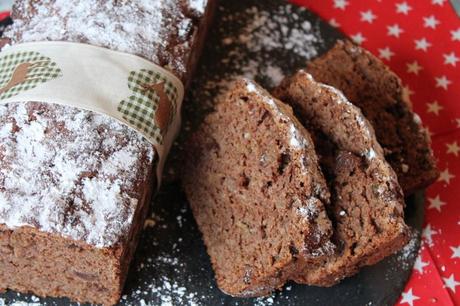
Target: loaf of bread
75, 185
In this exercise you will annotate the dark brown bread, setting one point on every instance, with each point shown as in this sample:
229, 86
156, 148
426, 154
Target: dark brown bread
71, 214
371, 86
256, 191
366, 200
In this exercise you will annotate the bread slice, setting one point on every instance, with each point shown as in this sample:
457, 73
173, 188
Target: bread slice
373, 87
257, 193
366, 200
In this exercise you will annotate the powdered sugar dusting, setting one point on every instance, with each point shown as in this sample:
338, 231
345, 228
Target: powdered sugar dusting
405, 258
156, 30
270, 31
197, 5
349, 114
359, 117
69, 171
18, 303
340, 96
275, 74
264, 32
310, 208
371, 154
417, 119
296, 140
170, 285
66, 178
250, 87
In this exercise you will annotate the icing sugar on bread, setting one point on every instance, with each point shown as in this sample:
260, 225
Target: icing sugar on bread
152, 29
367, 203
73, 172
72, 177
76, 184
296, 140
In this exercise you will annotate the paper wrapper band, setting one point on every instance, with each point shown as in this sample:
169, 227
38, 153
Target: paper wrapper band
128, 88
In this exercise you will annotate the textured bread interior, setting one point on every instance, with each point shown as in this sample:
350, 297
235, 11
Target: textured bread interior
47, 264
370, 85
257, 200
367, 203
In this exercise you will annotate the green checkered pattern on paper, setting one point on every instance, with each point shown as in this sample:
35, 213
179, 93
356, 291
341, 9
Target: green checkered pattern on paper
139, 109
41, 70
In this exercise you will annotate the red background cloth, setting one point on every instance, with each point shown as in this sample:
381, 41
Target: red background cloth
3, 15
420, 41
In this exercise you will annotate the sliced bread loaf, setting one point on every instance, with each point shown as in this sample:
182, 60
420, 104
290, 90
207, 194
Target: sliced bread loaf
366, 200
374, 88
257, 193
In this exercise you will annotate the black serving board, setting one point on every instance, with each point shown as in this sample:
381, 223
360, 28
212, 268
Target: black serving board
171, 266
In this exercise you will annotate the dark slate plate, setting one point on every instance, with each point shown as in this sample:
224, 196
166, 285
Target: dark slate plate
263, 40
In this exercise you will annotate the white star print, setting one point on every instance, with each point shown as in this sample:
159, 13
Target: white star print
394, 30
455, 35
438, 2
408, 297
428, 233
451, 59
434, 108
386, 53
445, 176
422, 44
453, 148
334, 23
450, 282
414, 67
368, 16
358, 38
430, 22
408, 91
455, 252
403, 8
428, 132
420, 264
442, 82
436, 203
340, 4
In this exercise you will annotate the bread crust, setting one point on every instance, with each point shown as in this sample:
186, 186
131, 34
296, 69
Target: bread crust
367, 204
378, 92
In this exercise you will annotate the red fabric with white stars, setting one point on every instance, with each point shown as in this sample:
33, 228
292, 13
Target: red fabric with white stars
420, 41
